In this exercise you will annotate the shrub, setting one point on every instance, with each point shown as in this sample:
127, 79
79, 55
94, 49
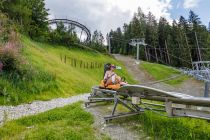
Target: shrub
10, 57
9, 45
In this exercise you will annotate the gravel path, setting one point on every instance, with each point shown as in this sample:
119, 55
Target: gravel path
122, 130
15, 112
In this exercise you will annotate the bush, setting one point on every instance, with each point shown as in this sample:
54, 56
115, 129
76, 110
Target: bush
10, 57
9, 46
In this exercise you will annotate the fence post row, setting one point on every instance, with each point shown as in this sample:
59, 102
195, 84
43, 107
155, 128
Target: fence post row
82, 64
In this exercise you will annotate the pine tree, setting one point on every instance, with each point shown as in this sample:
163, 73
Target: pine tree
30, 16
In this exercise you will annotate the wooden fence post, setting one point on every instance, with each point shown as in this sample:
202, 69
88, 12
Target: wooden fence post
61, 57
65, 59
81, 64
75, 63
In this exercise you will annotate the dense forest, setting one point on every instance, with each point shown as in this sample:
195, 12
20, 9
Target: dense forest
177, 44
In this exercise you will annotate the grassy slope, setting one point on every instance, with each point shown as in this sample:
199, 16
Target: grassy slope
70, 122
69, 80
160, 72
160, 127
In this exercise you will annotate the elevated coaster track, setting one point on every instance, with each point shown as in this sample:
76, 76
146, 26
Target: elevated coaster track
138, 98
74, 23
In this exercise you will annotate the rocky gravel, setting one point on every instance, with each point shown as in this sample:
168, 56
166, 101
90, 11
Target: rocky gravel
15, 112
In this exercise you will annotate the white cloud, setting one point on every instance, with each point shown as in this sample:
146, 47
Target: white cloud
105, 15
190, 3
157, 7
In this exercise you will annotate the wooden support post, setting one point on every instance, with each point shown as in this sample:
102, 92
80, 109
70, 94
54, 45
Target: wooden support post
206, 92
168, 107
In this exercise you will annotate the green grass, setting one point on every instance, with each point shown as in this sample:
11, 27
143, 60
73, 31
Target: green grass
161, 72
70, 122
164, 128
66, 80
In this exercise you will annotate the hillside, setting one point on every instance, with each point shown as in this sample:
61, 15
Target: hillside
163, 72
55, 74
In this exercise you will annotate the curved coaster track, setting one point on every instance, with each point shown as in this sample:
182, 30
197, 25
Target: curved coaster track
74, 23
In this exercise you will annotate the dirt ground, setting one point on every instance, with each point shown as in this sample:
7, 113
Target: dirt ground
190, 86
120, 130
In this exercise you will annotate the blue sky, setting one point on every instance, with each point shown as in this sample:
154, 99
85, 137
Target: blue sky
201, 8
105, 15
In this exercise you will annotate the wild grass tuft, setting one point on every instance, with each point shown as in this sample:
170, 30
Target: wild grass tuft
160, 127
70, 122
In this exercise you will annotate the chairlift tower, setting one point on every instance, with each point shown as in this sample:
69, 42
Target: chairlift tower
109, 43
136, 43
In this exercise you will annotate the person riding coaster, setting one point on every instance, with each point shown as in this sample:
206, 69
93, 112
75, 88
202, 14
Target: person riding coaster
111, 79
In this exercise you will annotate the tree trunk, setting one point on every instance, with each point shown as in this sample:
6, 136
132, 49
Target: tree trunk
189, 51
161, 54
199, 51
169, 61
145, 48
156, 56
